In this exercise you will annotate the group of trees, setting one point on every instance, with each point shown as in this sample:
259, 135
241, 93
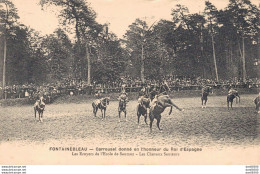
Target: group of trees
78, 45
207, 44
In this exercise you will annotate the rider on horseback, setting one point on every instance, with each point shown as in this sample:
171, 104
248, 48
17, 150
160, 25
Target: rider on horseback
123, 96
102, 102
123, 99
164, 89
204, 94
153, 94
142, 94
232, 91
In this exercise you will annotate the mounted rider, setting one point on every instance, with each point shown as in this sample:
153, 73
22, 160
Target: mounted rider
123, 87
153, 93
205, 89
123, 97
164, 89
141, 95
99, 102
232, 91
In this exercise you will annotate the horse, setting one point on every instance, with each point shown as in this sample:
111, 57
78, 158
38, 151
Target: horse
102, 105
158, 107
257, 104
39, 107
230, 97
122, 108
204, 95
142, 109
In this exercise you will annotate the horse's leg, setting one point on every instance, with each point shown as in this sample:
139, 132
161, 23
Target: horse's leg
35, 113
228, 102
206, 99
119, 115
151, 122
158, 122
257, 107
105, 113
231, 103
94, 109
172, 104
145, 118
201, 102
138, 118
101, 110
238, 99
41, 116
125, 115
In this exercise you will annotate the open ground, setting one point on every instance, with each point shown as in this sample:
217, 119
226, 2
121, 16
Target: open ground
211, 126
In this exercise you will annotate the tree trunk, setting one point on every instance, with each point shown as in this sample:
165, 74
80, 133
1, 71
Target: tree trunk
89, 64
4, 65
142, 65
214, 57
244, 60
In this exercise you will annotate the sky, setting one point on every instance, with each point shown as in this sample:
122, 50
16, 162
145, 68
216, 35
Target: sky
118, 13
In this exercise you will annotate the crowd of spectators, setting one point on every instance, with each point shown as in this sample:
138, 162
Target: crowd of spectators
50, 91
175, 81
77, 87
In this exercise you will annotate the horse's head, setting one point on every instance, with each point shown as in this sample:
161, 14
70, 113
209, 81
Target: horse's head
41, 103
42, 106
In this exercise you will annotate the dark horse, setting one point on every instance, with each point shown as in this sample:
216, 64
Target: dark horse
102, 105
204, 95
122, 108
230, 97
39, 107
158, 107
142, 109
257, 103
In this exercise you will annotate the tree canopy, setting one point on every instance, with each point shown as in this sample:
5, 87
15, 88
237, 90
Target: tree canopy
182, 46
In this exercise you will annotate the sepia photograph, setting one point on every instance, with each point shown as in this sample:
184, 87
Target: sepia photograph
140, 82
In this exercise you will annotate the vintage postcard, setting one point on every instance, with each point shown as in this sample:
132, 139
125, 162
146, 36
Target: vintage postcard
140, 82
